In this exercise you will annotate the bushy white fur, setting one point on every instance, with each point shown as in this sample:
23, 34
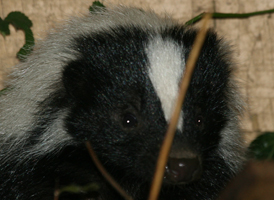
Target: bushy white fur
32, 83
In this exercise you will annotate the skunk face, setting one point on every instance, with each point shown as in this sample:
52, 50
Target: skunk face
112, 78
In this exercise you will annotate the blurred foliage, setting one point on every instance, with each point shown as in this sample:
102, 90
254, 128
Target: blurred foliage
262, 148
3, 91
93, 187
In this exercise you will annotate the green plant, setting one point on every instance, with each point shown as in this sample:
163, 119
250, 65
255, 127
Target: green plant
94, 5
21, 22
217, 15
262, 148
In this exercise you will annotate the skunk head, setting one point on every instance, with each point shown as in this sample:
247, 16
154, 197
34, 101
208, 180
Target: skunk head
121, 92
114, 83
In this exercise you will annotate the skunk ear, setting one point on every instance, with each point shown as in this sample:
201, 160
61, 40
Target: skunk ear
79, 80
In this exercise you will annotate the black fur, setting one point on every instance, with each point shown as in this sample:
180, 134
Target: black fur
108, 81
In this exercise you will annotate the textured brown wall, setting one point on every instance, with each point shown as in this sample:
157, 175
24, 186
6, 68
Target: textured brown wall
252, 38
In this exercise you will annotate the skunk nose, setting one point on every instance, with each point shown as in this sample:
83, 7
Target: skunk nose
183, 170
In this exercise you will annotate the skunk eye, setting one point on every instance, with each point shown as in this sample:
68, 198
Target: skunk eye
199, 120
129, 120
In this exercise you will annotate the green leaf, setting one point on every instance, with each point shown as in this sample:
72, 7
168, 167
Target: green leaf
3, 91
4, 27
21, 22
18, 20
95, 5
28, 46
262, 148
80, 189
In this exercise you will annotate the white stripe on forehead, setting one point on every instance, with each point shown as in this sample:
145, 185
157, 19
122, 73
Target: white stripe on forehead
167, 64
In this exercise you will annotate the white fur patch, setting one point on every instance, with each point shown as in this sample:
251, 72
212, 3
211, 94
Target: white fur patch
231, 146
55, 135
167, 64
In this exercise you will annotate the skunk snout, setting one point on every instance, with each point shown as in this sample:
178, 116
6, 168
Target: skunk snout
184, 169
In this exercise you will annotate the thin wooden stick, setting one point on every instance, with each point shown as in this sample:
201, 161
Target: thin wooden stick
56, 194
104, 172
57, 190
164, 151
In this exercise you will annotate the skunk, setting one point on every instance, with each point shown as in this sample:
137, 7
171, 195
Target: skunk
112, 78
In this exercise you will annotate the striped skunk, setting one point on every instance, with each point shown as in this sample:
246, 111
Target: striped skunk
112, 78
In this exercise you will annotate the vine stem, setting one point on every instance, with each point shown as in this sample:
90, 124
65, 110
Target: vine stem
165, 148
217, 15
104, 172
